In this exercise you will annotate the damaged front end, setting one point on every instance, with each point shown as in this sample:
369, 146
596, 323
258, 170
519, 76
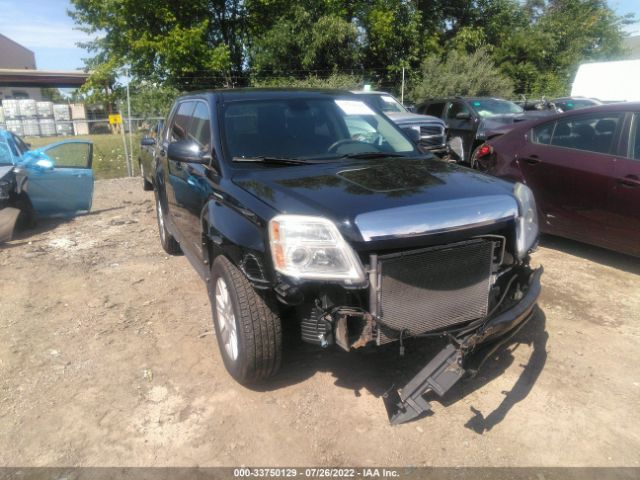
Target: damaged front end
472, 293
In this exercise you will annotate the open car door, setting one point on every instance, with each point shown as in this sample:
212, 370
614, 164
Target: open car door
60, 178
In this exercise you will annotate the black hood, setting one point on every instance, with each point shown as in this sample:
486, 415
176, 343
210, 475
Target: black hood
344, 190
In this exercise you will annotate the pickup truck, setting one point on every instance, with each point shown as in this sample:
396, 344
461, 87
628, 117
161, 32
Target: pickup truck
311, 206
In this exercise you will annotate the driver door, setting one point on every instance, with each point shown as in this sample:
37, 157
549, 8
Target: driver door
65, 185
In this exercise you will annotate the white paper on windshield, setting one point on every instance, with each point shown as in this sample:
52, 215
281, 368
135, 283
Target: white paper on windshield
354, 107
388, 99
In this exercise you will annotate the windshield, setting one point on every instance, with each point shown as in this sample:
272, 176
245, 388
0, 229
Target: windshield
386, 103
322, 128
491, 106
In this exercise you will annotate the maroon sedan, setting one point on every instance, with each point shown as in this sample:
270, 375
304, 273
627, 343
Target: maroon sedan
584, 169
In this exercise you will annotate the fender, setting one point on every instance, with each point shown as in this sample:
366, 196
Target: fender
236, 234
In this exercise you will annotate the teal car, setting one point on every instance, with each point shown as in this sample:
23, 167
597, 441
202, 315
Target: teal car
51, 181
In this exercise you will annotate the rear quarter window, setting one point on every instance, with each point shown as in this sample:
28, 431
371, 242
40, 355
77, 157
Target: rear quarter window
542, 133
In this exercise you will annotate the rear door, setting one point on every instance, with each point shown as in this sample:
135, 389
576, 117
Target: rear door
624, 201
568, 164
60, 178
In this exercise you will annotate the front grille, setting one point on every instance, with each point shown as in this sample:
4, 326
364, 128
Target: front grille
432, 135
430, 289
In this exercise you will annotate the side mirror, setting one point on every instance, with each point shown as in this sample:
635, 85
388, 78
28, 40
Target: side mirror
412, 133
411, 107
187, 151
147, 142
44, 165
463, 116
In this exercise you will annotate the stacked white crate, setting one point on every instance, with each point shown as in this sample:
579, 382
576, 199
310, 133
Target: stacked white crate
15, 126
46, 121
11, 109
27, 108
44, 109
3, 125
62, 116
29, 114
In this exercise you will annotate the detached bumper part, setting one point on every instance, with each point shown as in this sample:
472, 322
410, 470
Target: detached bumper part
448, 366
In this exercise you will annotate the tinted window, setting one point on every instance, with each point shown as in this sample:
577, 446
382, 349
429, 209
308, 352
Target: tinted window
635, 138
200, 128
455, 108
181, 121
542, 133
435, 109
594, 133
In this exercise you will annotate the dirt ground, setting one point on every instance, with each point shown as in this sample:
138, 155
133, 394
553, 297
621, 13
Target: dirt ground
107, 359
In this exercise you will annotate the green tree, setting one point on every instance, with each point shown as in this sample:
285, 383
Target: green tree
185, 44
335, 81
308, 36
460, 73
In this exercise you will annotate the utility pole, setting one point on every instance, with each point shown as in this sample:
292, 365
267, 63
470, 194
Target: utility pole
130, 163
124, 143
402, 88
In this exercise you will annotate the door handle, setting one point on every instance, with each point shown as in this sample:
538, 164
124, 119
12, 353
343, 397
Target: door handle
532, 159
631, 181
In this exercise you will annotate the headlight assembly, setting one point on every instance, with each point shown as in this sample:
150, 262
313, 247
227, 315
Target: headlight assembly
527, 222
312, 248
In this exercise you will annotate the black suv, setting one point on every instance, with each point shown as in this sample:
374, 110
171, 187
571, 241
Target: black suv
311, 206
470, 119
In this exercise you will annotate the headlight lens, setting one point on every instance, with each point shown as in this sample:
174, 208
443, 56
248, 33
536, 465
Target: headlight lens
527, 223
312, 248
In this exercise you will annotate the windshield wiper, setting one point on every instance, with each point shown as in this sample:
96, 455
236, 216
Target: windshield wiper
372, 155
271, 160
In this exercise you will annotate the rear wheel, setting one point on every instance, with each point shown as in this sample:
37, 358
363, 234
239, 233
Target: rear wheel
169, 244
247, 326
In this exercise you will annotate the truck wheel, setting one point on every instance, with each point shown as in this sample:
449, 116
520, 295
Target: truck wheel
248, 329
147, 186
169, 244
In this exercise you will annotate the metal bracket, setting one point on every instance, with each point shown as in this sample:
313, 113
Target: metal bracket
439, 375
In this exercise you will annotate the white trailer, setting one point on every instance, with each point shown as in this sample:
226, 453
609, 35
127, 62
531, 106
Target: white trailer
608, 81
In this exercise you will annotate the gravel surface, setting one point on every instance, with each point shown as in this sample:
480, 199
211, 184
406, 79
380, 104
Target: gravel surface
107, 358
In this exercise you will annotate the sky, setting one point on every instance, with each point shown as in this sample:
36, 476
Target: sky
44, 27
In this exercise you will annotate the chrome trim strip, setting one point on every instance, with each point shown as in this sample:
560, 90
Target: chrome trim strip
436, 217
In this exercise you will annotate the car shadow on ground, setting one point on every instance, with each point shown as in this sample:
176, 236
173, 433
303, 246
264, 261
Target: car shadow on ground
377, 369
592, 253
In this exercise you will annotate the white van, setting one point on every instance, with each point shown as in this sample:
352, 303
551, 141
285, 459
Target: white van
608, 81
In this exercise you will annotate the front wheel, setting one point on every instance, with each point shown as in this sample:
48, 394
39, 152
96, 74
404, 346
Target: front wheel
247, 326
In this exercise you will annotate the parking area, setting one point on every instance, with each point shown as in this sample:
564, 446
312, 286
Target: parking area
107, 358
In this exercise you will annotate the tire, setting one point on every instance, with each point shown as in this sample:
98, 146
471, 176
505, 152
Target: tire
147, 186
169, 244
474, 164
247, 317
